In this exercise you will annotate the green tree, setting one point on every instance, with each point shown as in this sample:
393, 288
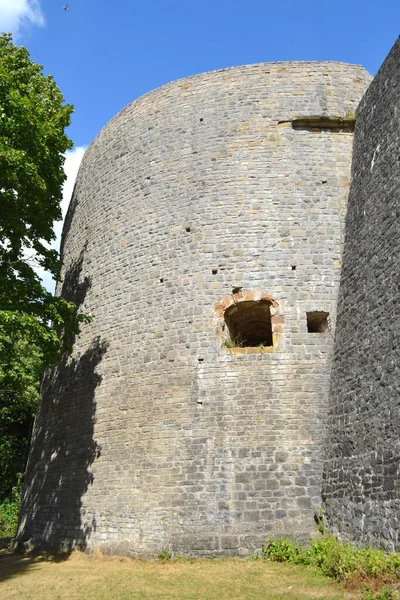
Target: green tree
35, 325
20, 381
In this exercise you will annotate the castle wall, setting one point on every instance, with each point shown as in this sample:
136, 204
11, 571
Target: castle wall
361, 478
156, 434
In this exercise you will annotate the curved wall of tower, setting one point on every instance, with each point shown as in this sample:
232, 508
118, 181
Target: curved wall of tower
206, 222
361, 488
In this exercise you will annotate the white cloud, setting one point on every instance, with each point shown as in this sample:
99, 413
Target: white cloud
15, 14
72, 161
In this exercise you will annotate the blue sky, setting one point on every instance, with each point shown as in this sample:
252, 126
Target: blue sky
105, 54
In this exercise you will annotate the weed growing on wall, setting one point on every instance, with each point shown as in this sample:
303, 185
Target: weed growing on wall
236, 343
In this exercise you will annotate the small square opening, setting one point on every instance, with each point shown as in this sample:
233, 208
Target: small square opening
317, 321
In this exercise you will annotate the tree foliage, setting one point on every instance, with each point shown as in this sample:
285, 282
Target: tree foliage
34, 324
33, 118
20, 379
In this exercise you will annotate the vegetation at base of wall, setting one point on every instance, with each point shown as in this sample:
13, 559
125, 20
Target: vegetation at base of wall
9, 510
377, 571
164, 556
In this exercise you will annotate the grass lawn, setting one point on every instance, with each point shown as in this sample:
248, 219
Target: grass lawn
96, 577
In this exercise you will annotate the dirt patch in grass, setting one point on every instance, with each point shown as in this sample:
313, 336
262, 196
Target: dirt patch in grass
95, 577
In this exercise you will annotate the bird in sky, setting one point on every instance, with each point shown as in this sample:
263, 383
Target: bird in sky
65, 8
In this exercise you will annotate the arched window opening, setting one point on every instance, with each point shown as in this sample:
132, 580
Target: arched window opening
249, 323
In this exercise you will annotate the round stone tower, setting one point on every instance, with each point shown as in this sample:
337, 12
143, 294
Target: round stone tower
204, 237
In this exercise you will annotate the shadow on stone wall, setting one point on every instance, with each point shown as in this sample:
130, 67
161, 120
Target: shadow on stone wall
74, 288
63, 447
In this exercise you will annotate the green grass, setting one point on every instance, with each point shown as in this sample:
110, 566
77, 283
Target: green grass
324, 569
85, 577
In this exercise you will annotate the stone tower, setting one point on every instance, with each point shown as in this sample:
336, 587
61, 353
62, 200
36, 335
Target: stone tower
204, 237
362, 471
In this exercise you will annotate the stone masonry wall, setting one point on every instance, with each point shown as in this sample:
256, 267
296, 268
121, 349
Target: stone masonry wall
156, 435
361, 479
